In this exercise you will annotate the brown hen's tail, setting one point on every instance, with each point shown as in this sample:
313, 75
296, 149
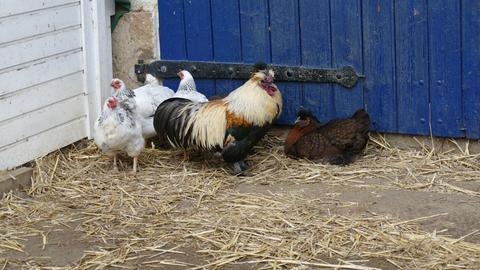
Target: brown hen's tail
362, 117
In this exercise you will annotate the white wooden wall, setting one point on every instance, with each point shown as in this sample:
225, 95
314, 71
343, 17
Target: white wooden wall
55, 69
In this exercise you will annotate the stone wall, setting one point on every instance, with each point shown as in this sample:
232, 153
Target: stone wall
135, 37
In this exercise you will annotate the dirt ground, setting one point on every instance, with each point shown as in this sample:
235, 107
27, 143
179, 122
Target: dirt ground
189, 223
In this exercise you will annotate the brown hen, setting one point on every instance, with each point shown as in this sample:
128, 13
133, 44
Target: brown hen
339, 141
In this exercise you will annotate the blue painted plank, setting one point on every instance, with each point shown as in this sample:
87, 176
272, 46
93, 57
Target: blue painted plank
172, 33
445, 67
254, 24
198, 29
411, 23
227, 45
471, 66
316, 51
285, 44
379, 64
347, 50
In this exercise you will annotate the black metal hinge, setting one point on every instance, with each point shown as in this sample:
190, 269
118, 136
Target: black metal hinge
345, 76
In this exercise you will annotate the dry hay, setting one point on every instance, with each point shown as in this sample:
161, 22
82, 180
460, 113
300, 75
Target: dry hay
172, 207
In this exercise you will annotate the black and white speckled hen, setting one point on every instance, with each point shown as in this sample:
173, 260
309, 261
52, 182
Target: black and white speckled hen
118, 128
339, 141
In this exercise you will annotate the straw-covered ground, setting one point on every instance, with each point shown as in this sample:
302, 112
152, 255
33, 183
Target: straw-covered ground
391, 209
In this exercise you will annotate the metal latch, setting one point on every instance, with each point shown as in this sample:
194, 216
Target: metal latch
165, 69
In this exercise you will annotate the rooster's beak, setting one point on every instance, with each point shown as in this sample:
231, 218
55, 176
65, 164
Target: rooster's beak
269, 79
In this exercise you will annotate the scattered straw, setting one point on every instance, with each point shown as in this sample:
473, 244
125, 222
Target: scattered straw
173, 209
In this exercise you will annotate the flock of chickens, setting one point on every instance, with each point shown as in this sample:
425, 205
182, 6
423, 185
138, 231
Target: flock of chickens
230, 126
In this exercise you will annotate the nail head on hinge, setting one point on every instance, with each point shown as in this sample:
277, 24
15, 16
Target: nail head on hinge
289, 73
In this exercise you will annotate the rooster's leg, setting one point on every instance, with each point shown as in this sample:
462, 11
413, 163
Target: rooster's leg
185, 155
115, 167
243, 165
240, 168
237, 169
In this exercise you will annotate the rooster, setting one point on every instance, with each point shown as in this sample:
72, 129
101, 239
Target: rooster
339, 141
118, 128
187, 88
232, 125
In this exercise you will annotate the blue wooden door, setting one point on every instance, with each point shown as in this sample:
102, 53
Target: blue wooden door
421, 58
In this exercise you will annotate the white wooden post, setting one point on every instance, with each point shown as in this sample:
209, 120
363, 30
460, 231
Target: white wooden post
97, 47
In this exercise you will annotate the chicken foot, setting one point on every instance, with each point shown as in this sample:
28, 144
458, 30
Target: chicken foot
133, 172
185, 155
240, 167
115, 166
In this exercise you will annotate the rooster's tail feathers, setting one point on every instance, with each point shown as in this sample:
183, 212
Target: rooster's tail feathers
207, 125
165, 120
185, 123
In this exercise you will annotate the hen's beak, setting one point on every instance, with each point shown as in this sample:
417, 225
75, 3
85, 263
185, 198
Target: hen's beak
296, 121
301, 123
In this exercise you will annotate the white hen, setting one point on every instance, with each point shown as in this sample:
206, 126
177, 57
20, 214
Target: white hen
147, 99
187, 88
118, 130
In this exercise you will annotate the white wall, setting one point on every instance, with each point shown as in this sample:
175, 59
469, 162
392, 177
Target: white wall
53, 74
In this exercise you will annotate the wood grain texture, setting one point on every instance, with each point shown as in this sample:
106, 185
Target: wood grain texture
317, 51
172, 34
254, 23
471, 67
46, 20
445, 67
227, 43
285, 44
379, 63
411, 24
14, 7
347, 50
198, 32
